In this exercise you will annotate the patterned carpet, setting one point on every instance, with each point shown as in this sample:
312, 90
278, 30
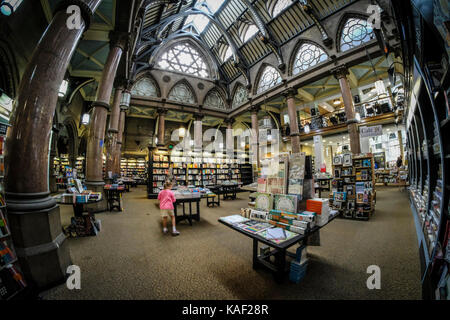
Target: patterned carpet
132, 259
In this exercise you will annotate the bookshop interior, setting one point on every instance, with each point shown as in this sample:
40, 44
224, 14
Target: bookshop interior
306, 144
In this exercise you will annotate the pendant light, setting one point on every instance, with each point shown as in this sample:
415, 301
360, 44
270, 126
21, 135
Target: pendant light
8, 7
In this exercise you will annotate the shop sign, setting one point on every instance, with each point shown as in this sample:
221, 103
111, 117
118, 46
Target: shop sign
373, 131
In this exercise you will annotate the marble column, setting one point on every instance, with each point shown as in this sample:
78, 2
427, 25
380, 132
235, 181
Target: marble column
340, 74
293, 120
255, 135
198, 132
161, 126
34, 216
96, 138
113, 131
124, 105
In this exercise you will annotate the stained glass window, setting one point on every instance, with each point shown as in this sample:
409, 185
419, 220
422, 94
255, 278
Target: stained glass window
280, 6
240, 97
184, 58
214, 100
181, 93
355, 32
269, 78
144, 87
308, 55
250, 31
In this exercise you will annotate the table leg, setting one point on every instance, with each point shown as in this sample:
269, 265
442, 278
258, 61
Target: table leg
280, 262
255, 254
198, 210
190, 213
175, 211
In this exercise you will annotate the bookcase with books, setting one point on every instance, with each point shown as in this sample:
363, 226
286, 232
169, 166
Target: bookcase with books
80, 166
158, 169
11, 278
135, 168
353, 186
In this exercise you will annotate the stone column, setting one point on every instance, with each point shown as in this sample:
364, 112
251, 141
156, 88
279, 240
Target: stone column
400, 141
34, 217
96, 138
113, 131
293, 120
229, 138
255, 134
340, 74
161, 126
124, 105
198, 132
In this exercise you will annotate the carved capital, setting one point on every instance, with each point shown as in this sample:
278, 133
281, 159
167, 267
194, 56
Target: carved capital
289, 93
101, 104
229, 121
161, 111
254, 109
118, 39
340, 72
198, 116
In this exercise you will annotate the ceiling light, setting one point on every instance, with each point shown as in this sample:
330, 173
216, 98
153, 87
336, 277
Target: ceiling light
358, 117
182, 132
337, 102
8, 7
62, 88
379, 86
85, 119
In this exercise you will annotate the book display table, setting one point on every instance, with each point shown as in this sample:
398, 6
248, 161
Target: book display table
229, 192
279, 267
114, 197
83, 223
212, 199
190, 216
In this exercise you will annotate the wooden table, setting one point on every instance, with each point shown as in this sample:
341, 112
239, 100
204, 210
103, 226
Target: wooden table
279, 267
83, 222
229, 191
190, 216
114, 198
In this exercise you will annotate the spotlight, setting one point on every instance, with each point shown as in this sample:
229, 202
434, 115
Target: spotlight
358, 117
85, 119
307, 129
63, 88
337, 102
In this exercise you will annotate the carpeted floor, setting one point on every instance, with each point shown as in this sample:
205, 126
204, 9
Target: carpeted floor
132, 259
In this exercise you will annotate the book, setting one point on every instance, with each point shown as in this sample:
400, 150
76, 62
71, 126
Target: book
287, 203
296, 174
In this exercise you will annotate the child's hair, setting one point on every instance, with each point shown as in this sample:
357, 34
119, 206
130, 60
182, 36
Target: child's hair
167, 185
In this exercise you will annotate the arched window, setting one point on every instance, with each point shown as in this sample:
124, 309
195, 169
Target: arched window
355, 32
248, 31
181, 92
279, 6
240, 97
145, 87
308, 55
184, 58
214, 100
269, 78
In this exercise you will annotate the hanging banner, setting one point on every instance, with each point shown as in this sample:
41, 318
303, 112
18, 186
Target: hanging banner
373, 131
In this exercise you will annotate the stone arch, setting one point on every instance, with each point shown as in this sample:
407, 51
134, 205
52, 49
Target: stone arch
342, 21
222, 96
179, 84
297, 47
147, 75
237, 86
259, 75
9, 73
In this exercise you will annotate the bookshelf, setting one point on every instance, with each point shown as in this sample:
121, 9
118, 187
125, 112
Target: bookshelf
135, 168
11, 278
80, 165
353, 186
158, 169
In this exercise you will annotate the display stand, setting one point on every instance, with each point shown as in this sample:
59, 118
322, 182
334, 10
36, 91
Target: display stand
353, 186
114, 197
11, 278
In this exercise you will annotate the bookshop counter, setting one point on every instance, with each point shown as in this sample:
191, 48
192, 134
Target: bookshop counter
279, 267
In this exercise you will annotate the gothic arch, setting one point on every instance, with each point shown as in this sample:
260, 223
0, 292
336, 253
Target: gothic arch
210, 61
186, 83
148, 75
342, 21
259, 75
222, 96
297, 47
9, 74
237, 85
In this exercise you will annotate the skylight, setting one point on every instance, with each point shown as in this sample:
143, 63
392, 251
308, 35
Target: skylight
227, 54
198, 20
251, 31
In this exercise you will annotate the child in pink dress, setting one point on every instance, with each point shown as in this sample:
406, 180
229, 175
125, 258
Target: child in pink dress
166, 199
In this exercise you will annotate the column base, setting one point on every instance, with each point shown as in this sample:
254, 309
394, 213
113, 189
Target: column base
97, 186
39, 243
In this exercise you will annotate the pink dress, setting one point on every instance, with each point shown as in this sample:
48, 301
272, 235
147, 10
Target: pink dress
166, 199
